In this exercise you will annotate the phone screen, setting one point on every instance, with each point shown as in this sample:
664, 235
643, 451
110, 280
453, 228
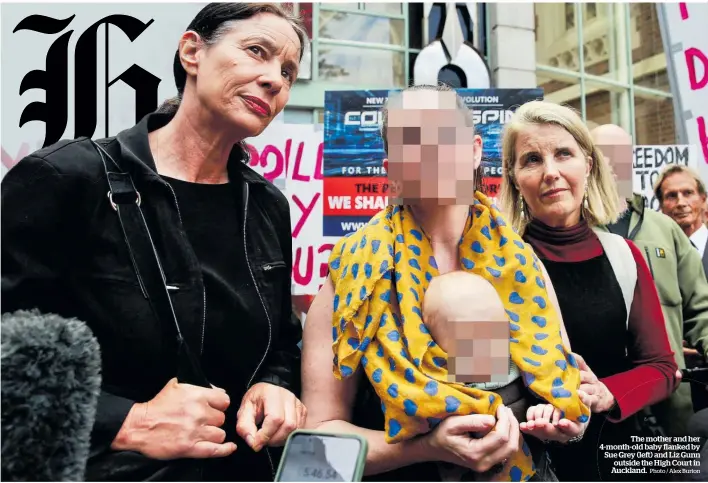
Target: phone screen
313, 457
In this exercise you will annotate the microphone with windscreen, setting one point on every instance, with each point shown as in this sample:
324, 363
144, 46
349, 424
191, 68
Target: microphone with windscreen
51, 380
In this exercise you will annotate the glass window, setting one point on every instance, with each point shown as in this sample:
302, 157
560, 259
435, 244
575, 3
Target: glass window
604, 46
556, 46
620, 42
361, 28
384, 7
365, 67
558, 89
569, 16
297, 116
648, 56
346, 6
606, 106
653, 120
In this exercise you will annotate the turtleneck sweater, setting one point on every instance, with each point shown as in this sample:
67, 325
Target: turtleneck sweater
631, 354
571, 253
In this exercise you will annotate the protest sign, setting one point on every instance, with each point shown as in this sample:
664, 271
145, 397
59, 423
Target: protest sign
355, 184
686, 44
649, 161
290, 156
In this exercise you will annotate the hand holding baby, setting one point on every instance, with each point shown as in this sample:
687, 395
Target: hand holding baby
601, 399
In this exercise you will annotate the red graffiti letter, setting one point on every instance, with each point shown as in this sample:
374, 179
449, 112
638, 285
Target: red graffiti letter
703, 137
10, 161
684, 10
297, 276
296, 170
254, 157
325, 266
318, 165
692, 56
279, 162
306, 210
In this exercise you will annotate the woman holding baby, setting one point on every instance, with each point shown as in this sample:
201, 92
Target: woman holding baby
557, 188
382, 355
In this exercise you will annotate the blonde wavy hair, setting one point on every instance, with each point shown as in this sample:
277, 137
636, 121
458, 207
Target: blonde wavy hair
601, 189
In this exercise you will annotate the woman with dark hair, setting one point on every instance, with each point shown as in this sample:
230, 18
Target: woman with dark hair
183, 271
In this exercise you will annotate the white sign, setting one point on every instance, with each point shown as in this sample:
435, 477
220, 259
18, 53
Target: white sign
686, 44
649, 161
291, 157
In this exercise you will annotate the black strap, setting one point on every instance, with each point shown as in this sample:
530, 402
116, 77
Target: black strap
621, 227
639, 223
126, 201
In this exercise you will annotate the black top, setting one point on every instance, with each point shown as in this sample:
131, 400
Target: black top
64, 252
212, 217
594, 315
213, 220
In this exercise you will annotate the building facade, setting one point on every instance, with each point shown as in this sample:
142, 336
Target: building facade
605, 60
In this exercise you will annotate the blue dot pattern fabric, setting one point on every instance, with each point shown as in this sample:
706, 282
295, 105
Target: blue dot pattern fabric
407, 369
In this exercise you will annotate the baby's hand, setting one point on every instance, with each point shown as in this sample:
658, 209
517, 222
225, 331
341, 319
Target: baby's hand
545, 423
539, 415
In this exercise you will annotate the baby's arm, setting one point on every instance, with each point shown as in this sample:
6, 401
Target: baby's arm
541, 414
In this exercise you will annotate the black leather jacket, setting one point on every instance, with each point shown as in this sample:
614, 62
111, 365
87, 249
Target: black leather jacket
63, 252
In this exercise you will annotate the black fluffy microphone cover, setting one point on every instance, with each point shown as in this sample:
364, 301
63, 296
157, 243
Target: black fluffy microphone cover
51, 379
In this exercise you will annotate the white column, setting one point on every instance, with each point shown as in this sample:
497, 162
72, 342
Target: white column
512, 49
623, 50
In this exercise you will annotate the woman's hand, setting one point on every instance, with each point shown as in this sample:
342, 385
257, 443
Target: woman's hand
544, 422
182, 421
278, 409
601, 397
452, 442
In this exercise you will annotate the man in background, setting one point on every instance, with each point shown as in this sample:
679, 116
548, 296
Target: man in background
682, 196
675, 266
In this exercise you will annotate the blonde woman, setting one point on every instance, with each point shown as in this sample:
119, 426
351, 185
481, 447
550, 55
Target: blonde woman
556, 188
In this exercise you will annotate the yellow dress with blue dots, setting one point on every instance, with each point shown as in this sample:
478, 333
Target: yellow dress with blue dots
390, 260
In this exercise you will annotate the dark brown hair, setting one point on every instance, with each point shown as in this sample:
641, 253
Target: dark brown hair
213, 22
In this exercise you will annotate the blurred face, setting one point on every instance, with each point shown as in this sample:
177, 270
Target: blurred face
550, 171
432, 154
245, 78
682, 202
479, 351
619, 157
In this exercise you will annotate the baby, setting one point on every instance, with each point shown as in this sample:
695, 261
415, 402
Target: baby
466, 318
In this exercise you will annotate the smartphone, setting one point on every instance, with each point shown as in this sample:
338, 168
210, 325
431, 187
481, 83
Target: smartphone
319, 456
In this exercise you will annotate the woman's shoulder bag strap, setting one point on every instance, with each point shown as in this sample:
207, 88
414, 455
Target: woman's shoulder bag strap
126, 201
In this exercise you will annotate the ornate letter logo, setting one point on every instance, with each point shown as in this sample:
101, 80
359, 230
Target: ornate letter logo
450, 27
54, 79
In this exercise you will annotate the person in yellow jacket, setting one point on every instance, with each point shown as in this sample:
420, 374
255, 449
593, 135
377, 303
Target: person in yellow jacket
381, 273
